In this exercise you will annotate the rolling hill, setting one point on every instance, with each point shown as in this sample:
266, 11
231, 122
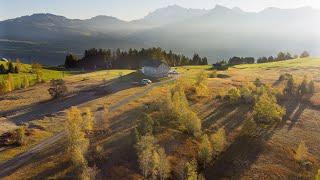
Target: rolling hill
217, 33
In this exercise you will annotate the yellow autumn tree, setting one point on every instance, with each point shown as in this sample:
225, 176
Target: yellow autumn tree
201, 84
267, 110
219, 140
88, 120
178, 103
301, 152
25, 82
77, 143
105, 117
164, 165
205, 151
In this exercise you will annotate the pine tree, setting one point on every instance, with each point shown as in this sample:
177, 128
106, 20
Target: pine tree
303, 89
290, 87
11, 68
311, 87
304, 54
205, 151
2, 69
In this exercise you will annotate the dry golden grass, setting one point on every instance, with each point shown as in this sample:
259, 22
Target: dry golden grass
274, 161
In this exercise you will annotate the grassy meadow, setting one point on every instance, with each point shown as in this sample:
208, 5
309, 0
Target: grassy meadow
271, 157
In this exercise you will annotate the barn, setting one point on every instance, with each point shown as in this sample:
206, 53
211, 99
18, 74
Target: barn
155, 68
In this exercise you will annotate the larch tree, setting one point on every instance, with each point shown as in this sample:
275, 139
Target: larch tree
219, 140
191, 170
77, 143
10, 83
145, 150
301, 152
205, 151
318, 175
105, 117
201, 84
25, 82
88, 120
164, 165
267, 110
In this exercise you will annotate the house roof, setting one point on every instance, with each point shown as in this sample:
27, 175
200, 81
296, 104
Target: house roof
4, 59
153, 63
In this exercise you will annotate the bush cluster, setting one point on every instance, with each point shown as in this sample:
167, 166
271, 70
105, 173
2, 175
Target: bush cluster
57, 88
266, 109
152, 159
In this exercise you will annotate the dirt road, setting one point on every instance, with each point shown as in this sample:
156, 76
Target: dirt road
10, 166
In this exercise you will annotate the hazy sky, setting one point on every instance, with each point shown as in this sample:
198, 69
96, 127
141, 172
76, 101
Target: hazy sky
131, 9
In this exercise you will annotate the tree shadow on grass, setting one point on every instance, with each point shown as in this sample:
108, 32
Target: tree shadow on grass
42, 109
226, 115
31, 158
294, 109
239, 156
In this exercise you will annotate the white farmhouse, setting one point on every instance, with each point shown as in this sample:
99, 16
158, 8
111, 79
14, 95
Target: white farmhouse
4, 60
155, 68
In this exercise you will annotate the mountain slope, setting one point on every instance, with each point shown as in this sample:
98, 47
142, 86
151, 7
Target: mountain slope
217, 33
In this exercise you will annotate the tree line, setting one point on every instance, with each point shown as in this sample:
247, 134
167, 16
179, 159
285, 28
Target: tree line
131, 59
281, 56
10, 67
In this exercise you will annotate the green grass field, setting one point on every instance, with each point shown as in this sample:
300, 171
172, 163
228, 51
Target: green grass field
48, 74
304, 62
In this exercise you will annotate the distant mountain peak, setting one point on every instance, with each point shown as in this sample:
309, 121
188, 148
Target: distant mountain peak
220, 7
237, 9
104, 17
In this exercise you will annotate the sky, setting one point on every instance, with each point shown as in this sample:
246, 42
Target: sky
131, 9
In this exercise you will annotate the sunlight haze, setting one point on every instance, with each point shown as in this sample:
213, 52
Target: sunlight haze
131, 10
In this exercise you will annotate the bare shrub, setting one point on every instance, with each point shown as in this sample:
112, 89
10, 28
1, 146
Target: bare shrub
57, 88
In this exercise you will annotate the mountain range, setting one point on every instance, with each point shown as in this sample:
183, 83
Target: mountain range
218, 33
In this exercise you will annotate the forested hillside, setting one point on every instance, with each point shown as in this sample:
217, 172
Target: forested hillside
131, 59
